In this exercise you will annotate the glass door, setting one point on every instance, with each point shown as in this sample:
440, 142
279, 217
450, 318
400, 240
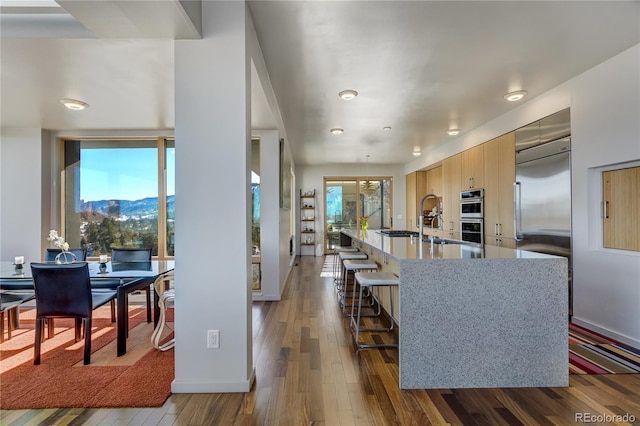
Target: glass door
375, 202
348, 200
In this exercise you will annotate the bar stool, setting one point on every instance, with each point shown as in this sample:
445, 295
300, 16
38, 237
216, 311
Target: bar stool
346, 255
368, 280
336, 257
354, 266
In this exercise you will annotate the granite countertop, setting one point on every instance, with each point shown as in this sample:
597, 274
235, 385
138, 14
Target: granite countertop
405, 248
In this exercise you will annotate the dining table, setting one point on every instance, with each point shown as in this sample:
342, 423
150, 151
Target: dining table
125, 277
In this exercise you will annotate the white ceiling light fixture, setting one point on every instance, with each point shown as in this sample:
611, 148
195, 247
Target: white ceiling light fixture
347, 95
453, 132
515, 96
416, 152
74, 104
386, 128
336, 131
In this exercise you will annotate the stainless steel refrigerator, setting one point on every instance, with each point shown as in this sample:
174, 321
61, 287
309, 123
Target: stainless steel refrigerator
543, 189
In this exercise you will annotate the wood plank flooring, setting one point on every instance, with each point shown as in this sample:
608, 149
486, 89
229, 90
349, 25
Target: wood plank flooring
308, 373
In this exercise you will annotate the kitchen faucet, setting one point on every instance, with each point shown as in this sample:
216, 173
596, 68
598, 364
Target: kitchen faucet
438, 215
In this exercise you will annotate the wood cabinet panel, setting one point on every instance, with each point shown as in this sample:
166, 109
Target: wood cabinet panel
472, 167
434, 181
500, 242
411, 200
500, 173
621, 215
451, 175
416, 188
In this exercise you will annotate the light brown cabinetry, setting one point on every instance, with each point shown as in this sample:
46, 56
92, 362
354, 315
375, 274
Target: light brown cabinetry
451, 176
416, 186
433, 185
499, 175
434, 181
385, 264
472, 168
621, 208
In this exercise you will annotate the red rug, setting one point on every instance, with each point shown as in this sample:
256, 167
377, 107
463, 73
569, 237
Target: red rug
62, 381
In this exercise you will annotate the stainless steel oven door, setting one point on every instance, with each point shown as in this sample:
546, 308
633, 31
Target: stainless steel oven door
472, 208
472, 231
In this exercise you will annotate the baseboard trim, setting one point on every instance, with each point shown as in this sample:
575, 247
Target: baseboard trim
266, 297
606, 332
214, 387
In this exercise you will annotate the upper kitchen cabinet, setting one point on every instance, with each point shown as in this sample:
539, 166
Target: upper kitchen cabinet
621, 208
433, 185
499, 175
451, 176
472, 168
434, 181
416, 186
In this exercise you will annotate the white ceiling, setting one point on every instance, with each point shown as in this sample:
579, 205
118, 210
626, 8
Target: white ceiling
420, 67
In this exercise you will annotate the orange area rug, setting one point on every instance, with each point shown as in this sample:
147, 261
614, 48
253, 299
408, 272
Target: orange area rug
62, 381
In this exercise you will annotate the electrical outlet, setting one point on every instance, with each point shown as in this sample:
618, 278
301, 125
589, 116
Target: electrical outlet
213, 339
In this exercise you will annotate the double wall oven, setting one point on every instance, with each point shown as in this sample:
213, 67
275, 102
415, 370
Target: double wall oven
472, 216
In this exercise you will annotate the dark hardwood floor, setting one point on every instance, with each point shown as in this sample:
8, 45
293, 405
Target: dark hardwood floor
308, 373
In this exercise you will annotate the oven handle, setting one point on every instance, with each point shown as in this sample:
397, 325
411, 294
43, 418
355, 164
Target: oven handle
517, 210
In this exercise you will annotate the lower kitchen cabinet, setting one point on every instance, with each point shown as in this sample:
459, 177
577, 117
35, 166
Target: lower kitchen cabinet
500, 242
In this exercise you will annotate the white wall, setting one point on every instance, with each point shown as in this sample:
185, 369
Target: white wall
213, 241
605, 110
274, 225
605, 106
312, 177
21, 195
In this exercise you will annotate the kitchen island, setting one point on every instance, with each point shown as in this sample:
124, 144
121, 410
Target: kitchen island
473, 317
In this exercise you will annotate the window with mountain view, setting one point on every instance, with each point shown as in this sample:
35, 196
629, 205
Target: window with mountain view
119, 193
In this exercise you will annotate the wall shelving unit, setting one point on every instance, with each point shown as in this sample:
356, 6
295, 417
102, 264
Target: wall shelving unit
308, 222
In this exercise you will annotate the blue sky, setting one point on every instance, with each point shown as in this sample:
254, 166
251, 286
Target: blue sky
124, 174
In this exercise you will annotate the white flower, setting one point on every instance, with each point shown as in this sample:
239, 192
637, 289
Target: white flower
57, 240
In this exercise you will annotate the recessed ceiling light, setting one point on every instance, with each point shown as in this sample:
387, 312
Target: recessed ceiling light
515, 96
336, 131
453, 132
74, 104
386, 128
416, 151
347, 95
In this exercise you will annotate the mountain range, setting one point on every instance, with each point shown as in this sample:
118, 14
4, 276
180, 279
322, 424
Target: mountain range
137, 209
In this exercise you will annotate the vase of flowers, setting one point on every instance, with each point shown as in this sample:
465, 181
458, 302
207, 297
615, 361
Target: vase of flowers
65, 256
364, 223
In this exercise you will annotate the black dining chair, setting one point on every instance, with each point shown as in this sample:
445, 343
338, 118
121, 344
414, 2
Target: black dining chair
80, 254
9, 304
131, 255
64, 291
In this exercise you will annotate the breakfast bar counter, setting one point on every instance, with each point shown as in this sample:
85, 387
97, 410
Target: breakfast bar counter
475, 317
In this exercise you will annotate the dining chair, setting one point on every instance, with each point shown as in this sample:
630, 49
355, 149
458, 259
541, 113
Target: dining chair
9, 304
134, 255
131, 255
80, 254
64, 291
